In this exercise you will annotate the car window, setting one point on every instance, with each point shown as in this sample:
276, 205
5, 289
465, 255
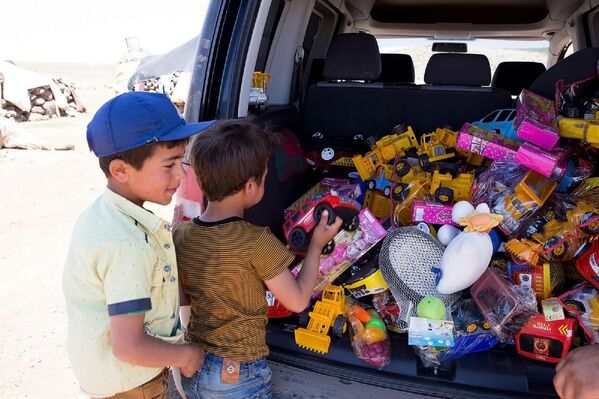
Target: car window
496, 51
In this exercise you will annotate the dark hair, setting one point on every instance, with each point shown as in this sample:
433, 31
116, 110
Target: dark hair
137, 156
228, 155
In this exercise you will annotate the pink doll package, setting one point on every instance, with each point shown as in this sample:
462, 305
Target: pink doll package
549, 164
349, 247
536, 120
488, 144
432, 212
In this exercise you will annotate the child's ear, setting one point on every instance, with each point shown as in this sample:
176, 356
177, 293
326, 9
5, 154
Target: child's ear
250, 187
119, 170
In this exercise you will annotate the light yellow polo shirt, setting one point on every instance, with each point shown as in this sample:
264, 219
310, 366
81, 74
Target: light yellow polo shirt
121, 261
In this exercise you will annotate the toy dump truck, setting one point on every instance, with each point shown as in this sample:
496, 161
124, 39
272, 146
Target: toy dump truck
446, 189
328, 314
383, 151
432, 149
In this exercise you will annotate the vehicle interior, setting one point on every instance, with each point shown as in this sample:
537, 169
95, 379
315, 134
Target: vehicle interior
345, 72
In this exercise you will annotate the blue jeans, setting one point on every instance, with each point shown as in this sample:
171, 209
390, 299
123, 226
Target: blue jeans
254, 381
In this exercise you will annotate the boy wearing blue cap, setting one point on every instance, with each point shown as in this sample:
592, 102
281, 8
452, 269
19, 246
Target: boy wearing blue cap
120, 279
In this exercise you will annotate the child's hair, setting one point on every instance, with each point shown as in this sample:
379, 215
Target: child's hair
137, 156
228, 155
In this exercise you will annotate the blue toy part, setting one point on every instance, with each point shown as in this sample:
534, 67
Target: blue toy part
354, 178
495, 235
569, 178
380, 182
467, 344
500, 121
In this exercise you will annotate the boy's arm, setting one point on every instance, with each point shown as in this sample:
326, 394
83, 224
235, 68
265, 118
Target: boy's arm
294, 293
130, 344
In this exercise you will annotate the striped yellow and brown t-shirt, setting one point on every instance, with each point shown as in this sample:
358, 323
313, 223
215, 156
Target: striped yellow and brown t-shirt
222, 267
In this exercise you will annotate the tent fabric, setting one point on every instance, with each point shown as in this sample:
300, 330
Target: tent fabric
179, 59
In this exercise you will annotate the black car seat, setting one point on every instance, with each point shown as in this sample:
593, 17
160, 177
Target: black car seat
396, 68
515, 76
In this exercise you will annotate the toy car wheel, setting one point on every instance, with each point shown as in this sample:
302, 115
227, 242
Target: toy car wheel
424, 161
400, 192
339, 326
593, 227
387, 191
371, 185
329, 248
472, 327
574, 306
402, 168
303, 318
486, 325
557, 246
352, 224
320, 209
298, 239
549, 216
444, 194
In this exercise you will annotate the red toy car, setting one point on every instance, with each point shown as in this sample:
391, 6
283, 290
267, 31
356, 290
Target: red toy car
299, 225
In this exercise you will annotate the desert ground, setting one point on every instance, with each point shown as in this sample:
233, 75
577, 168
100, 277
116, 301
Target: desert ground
43, 192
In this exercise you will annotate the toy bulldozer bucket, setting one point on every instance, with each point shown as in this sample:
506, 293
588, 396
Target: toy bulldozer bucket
314, 337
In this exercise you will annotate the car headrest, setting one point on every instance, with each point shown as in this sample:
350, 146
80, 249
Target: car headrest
353, 56
396, 68
515, 76
458, 69
579, 66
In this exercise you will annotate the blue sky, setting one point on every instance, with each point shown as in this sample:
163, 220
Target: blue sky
94, 32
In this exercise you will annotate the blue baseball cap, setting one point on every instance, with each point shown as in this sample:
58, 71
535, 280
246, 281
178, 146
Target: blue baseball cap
133, 119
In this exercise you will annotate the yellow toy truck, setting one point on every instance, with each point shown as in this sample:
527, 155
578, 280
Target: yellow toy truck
383, 151
447, 189
581, 129
328, 314
431, 149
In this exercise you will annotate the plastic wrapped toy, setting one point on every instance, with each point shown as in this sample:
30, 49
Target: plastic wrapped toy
505, 306
536, 120
391, 311
583, 303
349, 247
467, 255
432, 212
544, 279
369, 336
403, 209
549, 164
488, 144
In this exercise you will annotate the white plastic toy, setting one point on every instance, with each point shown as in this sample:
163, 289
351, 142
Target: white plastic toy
467, 256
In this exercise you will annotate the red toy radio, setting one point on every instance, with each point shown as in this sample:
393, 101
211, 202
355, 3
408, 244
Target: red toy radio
547, 341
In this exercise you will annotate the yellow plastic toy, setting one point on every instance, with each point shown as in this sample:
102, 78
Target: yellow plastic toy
447, 189
449, 139
581, 129
383, 151
418, 189
533, 190
431, 149
480, 221
379, 205
328, 314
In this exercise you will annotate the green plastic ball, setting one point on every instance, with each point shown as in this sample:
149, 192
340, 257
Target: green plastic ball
374, 322
431, 307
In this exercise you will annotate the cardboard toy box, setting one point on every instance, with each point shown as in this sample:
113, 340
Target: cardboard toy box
536, 120
547, 341
488, 144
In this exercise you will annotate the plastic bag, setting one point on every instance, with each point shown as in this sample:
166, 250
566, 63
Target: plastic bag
368, 335
496, 180
505, 306
583, 303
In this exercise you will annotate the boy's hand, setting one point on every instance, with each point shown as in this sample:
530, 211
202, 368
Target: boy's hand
576, 376
195, 360
323, 233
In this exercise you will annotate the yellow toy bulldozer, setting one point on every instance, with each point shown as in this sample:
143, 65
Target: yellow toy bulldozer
447, 189
328, 314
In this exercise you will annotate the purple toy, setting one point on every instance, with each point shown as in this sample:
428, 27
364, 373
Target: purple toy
536, 120
488, 144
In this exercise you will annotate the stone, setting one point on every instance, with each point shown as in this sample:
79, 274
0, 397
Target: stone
37, 110
38, 101
49, 107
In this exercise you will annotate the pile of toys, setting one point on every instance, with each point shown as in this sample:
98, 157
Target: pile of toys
463, 240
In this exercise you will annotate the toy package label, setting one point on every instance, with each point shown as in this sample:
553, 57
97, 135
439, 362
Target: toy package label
552, 310
432, 212
427, 332
349, 247
488, 144
536, 120
539, 160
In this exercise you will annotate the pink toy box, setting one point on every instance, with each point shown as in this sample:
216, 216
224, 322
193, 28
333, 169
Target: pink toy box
549, 164
488, 144
432, 212
536, 120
